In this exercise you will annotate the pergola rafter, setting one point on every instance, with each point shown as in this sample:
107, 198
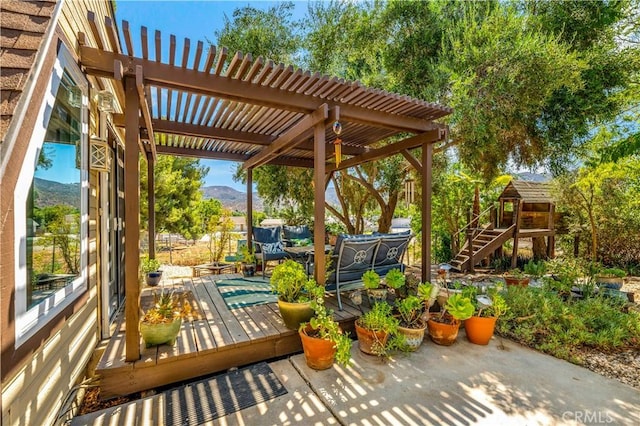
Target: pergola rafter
254, 112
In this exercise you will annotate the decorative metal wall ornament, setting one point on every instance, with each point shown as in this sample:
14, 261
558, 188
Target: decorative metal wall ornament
100, 155
337, 144
104, 100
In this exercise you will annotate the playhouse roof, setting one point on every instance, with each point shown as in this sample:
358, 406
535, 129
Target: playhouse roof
529, 192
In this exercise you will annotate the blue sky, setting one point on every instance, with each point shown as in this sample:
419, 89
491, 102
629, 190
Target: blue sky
196, 20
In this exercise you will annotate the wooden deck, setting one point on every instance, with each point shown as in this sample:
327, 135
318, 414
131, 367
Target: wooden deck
221, 339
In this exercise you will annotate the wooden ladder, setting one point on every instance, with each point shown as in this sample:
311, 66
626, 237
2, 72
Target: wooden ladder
484, 243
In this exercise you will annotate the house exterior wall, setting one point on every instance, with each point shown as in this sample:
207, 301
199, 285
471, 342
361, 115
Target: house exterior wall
38, 374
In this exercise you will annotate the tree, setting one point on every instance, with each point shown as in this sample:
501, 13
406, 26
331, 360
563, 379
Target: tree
601, 35
217, 224
503, 74
177, 193
270, 33
604, 199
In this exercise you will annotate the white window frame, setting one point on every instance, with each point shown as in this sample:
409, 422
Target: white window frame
29, 321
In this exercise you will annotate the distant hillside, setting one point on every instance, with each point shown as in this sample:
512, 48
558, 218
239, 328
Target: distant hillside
231, 198
533, 177
50, 193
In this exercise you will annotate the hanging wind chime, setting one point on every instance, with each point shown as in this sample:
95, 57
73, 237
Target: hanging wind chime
337, 144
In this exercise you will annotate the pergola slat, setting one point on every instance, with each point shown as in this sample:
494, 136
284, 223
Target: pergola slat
144, 40
127, 38
222, 56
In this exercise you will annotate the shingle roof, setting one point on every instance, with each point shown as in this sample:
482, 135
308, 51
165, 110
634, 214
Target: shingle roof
22, 28
529, 192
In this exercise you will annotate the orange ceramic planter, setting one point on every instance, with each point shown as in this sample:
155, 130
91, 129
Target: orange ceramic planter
442, 333
319, 353
480, 329
522, 282
368, 340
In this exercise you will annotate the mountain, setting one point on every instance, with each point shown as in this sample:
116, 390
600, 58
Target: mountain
231, 198
50, 193
533, 177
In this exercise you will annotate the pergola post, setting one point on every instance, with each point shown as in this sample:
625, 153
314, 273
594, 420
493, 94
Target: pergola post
131, 221
151, 201
249, 207
319, 199
427, 179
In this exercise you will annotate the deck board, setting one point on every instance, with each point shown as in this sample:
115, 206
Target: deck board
219, 331
220, 339
236, 330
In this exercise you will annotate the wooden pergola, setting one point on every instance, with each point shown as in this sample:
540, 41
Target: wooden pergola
253, 111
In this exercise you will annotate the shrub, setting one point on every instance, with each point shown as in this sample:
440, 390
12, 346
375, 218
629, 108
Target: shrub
541, 319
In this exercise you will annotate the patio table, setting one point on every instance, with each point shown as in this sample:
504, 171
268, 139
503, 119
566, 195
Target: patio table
215, 268
305, 254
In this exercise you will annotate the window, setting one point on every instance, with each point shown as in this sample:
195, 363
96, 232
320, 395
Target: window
51, 204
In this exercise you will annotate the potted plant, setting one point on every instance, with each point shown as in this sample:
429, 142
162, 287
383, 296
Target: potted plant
150, 267
535, 269
612, 278
428, 293
332, 230
322, 339
394, 279
248, 261
516, 277
295, 291
443, 327
480, 326
161, 324
373, 285
411, 326
374, 328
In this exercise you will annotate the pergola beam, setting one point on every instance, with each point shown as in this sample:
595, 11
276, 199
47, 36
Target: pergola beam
98, 62
132, 222
229, 156
412, 160
287, 141
186, 129
391, 149
146, 113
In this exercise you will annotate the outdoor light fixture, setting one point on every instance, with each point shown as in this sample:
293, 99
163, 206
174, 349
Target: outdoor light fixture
104, 99
75, 97
100, 155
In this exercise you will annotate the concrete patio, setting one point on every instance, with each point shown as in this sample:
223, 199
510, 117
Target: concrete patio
502, 383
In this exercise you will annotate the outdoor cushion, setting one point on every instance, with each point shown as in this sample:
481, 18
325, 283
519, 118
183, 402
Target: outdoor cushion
266, 235
271, 248
296, 232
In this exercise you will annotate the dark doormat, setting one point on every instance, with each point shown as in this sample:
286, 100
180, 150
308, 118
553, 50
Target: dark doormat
208, 399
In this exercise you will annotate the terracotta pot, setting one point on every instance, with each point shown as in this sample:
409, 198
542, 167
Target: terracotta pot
442, 333
158, 334
370, 342
294, 314
319, 353
480, 329
522, 282
412, 336
376, 295
153, 278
